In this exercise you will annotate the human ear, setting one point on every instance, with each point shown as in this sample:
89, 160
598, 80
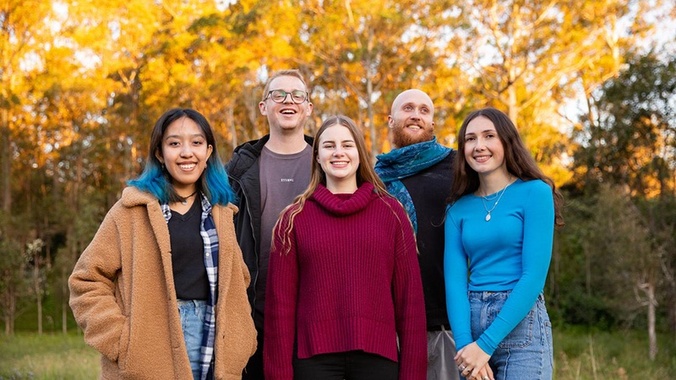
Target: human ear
158, 155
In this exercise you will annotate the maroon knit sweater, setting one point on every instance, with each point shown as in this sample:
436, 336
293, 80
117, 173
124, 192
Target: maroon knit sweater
351, 281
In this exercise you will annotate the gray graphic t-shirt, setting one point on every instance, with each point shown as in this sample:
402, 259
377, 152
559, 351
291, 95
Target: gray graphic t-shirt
282, 178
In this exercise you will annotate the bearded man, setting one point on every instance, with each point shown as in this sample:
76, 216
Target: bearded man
418, 171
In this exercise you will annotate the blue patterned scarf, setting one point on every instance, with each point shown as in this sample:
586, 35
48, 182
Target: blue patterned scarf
404, 162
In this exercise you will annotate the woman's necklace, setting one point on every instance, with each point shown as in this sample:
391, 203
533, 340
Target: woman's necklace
499, 196
185, 199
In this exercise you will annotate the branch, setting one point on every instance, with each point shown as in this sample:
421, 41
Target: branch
648, 289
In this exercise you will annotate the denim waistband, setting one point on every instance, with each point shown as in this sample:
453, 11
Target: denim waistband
196, 303
486, 295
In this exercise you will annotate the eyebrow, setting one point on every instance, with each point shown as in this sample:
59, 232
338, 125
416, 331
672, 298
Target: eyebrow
483, 131
193, 135
416, 104
332, 141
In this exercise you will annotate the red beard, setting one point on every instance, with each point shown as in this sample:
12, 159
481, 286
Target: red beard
401, 139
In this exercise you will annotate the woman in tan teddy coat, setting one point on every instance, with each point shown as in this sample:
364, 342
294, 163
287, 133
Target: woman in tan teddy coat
160, 291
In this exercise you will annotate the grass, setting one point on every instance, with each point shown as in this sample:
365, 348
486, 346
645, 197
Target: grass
579, 355
50, 356
596, 355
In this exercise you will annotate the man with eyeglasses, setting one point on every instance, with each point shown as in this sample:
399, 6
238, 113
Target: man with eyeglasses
267, 174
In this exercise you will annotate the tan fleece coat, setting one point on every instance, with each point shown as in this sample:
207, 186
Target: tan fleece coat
122, 295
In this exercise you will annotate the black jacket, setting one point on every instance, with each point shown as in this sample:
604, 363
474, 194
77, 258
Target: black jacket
244, 174
429, 190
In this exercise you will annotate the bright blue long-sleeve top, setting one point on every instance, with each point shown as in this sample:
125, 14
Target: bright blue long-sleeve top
511, 252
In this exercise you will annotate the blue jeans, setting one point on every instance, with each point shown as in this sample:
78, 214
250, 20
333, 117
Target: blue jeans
527, 351
192, 314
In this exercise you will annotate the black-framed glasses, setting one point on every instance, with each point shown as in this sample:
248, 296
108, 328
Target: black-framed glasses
279, 96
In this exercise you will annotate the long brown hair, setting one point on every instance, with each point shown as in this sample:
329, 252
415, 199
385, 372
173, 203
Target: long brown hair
520, 163
365, 173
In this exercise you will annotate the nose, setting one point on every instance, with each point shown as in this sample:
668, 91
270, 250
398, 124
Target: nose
338, 151
480, 144
186, 150
287, 96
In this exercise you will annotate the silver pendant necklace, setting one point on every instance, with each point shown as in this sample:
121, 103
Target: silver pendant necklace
499, 195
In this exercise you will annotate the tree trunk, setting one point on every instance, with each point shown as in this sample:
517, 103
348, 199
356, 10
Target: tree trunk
38, 290
370, 74
672, 315
232, 128
587, 269
370, 116
5, 162
64, 301
10, 307
652, 337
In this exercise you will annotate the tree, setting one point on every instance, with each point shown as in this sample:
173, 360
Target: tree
619, 237
660, 214
628, 140
34, 255
630, 136
380, 48
21, 32
13, 284
528, 57
83, 81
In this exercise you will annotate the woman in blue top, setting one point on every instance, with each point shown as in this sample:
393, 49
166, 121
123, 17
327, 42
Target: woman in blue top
499, 234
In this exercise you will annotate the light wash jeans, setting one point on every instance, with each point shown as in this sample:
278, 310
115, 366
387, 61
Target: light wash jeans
527, 351
192, 314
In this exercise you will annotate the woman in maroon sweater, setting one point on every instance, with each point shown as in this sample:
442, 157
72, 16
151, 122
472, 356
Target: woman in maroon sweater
344, 283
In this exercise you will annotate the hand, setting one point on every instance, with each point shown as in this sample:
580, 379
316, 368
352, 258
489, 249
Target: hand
472, 362
485, 373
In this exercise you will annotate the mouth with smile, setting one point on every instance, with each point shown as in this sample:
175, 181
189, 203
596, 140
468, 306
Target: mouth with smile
339, 164
187, 166
414, 127
482, 159
288, 111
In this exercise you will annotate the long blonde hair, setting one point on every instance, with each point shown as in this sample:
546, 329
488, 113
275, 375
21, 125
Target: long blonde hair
365, 173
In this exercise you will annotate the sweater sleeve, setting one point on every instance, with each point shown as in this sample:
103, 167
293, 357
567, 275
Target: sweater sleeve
455, 277
280, 306
538, 237
92, 290
409, 302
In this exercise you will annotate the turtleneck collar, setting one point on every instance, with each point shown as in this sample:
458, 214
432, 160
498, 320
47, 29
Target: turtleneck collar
344, 204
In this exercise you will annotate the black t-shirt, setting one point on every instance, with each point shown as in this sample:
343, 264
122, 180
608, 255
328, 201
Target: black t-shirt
187, 254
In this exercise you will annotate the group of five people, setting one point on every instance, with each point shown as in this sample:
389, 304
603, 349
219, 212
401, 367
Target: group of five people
299, 259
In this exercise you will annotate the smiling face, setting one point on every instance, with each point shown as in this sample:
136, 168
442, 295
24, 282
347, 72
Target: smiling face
184, 152
287, 116
412, 117
338, 156
483, 150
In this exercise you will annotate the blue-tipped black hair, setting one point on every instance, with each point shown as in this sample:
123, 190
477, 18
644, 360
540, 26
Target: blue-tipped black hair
156, 180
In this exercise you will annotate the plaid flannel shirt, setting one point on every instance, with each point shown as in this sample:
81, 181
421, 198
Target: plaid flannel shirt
210, 238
